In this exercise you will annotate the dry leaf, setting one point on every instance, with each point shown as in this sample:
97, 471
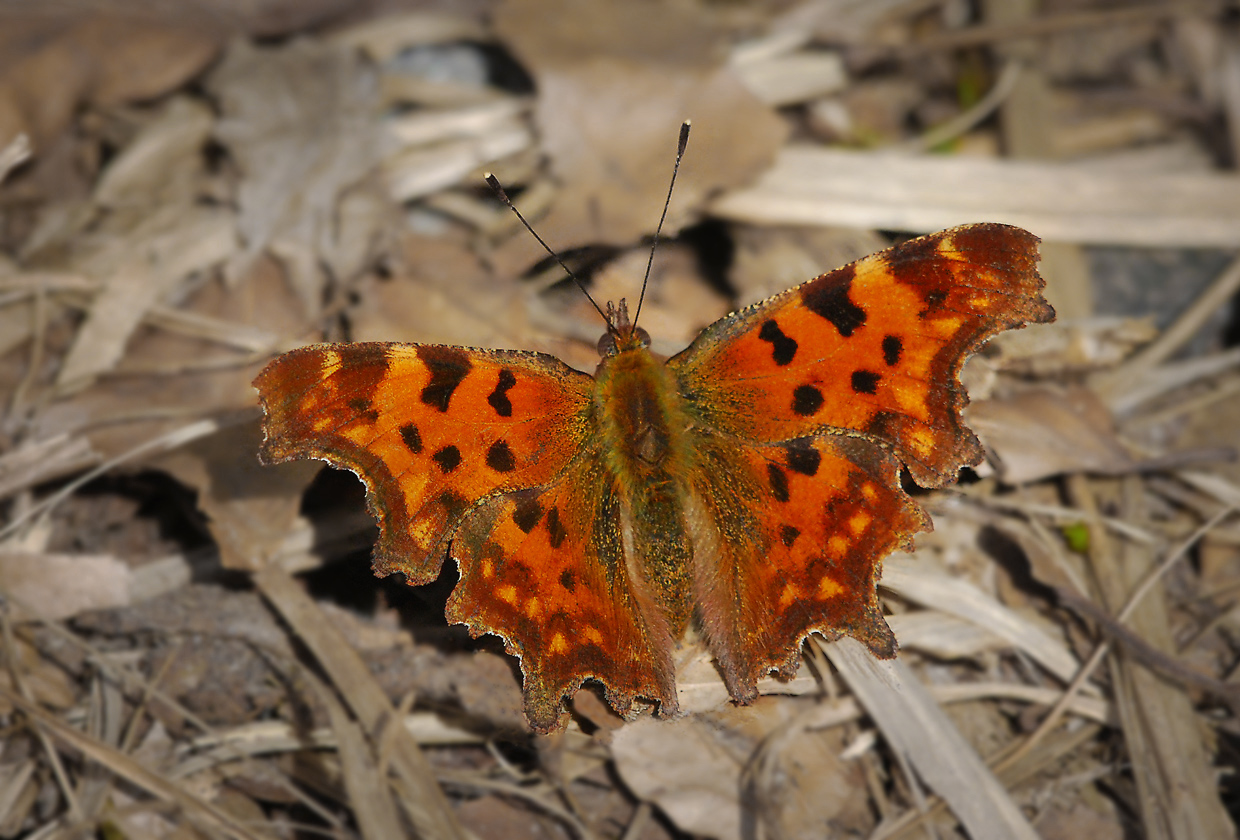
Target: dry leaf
61, 586
56, 64
1040, 433
300, 122
614, 86
697, 770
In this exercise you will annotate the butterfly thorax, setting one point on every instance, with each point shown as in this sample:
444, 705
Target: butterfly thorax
642, 430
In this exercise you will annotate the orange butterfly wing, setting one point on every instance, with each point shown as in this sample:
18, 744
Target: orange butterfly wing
491, 451
429, 429
874, 348
804, 407
545, 569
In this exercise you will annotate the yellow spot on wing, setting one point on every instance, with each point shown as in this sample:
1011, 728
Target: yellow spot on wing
558, 644
838, 546
789, 596
592, 635
828, 587
488, 570
507, 594
912, 400
331, 362
945, 326
922, 441
533, 607
858, 522
421, 530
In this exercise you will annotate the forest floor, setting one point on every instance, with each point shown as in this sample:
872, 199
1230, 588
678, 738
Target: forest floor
193, 644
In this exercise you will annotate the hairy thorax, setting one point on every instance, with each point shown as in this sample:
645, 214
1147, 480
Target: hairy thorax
642, 422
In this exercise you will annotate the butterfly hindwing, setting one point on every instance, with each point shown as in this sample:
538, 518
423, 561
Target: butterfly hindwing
430, 429
545, 570
873, 348
816, 517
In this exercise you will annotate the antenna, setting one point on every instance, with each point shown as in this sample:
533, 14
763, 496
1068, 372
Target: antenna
680, 153
494, 184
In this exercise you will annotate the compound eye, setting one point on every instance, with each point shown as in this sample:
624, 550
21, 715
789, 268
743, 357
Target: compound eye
607, 345
642, 336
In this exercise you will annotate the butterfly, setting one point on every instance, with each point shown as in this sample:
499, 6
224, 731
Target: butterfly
749, 486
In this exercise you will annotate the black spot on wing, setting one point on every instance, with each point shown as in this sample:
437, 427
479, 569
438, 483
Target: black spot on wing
934, 300
448, 459
363, 408
893, 348
779, 482
827, 297
412, 437
555, 529
803, 459
526, 514
783, 348
500, 457
806, 400
865, 381
499, 397
453, 503
448, 368
567, 580
788, 535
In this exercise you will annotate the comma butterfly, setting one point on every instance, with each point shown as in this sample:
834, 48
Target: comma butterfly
750, 484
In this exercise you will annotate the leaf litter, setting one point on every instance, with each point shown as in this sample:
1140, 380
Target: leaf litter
192, 642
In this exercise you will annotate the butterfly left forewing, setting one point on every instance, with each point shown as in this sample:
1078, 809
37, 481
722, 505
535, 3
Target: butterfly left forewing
429, 429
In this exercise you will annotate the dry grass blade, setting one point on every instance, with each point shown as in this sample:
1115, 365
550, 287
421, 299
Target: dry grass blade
912, 722
365, 782
163, 443
14, 153
818, 186
1130, 384
960, 598
1172, 770
424, 800
130, 770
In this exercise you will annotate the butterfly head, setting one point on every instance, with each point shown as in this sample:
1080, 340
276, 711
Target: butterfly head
621, 335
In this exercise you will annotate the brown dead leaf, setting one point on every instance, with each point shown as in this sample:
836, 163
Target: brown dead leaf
169, 378
494, 816
138, 270
61, 586
614, 84
53, 64
698, 770
300, 121
441, 293
250, 507
1040, 433
686, 768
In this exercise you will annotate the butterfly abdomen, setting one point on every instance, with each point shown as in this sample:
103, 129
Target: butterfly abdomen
642, 427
